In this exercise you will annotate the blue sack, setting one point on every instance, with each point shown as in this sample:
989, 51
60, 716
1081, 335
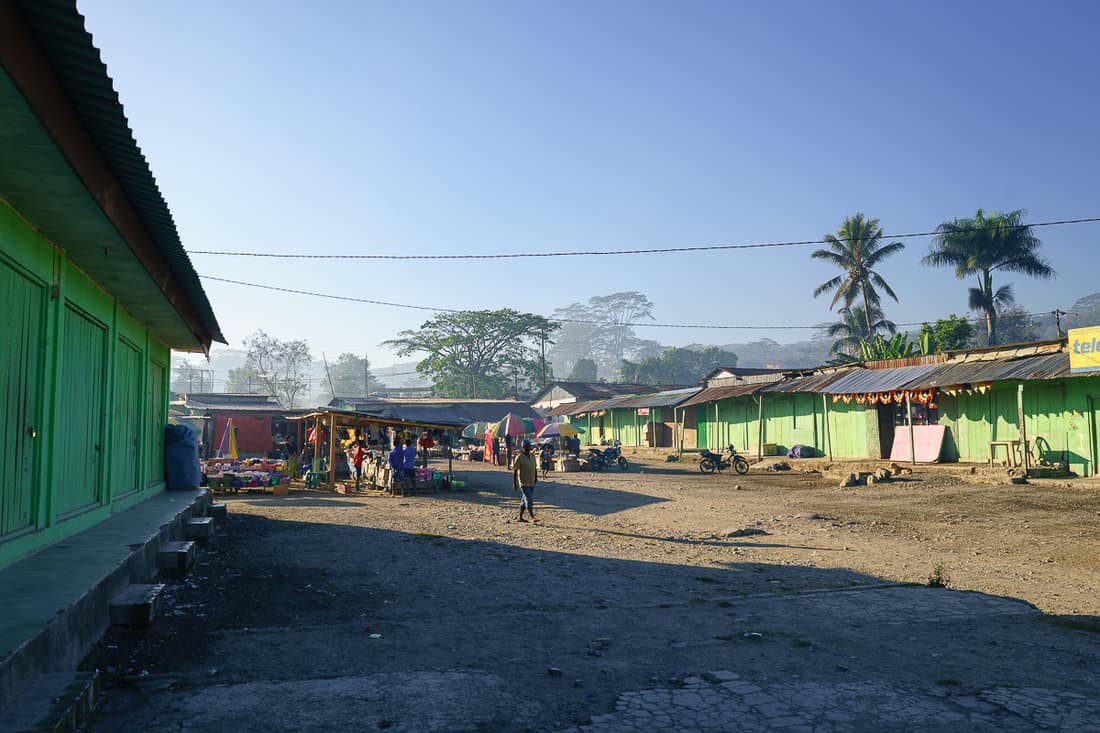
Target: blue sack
181, 457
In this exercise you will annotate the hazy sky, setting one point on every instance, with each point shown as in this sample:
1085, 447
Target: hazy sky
482, 127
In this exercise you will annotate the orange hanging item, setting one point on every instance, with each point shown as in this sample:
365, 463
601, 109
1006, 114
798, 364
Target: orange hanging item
836, 398
847, 399
861, 399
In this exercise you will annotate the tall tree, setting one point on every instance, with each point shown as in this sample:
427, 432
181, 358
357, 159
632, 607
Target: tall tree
948, 334
978, 247
852, 330
191, 377
351, 376
280, 366
584, 370
478, 353
857, 249
602, 330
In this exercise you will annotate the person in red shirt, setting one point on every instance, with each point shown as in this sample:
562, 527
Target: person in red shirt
357, 457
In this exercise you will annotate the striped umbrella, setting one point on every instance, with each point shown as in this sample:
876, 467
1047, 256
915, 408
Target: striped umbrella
559, 430
228, 447
508, 425
532, 424
476, 430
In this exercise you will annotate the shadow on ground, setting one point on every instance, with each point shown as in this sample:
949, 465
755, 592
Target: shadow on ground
289, 625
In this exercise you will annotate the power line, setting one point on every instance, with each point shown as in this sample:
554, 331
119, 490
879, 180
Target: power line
600, 253
352, 299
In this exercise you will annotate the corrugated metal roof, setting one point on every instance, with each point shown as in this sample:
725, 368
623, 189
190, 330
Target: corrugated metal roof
572, 408
59, 28
669, 398
231, 401
455, 413
859, 381
713, 394
809, 383
1046, 366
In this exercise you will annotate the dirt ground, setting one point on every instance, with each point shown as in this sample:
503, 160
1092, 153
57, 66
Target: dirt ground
442, 612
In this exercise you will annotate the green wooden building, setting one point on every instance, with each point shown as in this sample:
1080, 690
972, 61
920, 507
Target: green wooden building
981, 397
94, 283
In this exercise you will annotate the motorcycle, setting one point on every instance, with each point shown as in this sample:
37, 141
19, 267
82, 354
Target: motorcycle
599, 460
710, 462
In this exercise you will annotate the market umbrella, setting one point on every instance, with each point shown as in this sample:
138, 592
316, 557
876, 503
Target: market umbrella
533, 424
476, 430
228, 447
559, 430
508, 425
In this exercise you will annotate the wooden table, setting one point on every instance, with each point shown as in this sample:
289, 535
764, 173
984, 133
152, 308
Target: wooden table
1013, 455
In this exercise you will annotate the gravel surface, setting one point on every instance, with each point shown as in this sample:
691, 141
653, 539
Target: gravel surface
775, 599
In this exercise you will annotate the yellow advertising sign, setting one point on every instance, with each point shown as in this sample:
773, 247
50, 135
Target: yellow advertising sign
1084, 349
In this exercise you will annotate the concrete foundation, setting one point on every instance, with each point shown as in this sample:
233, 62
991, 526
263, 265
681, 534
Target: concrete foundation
56, 603
176, 557
200, 529
136, 605
58, 702
218, 511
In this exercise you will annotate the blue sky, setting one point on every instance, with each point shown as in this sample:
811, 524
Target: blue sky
482, 127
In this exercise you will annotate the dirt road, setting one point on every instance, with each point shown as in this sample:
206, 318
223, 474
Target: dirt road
651, 600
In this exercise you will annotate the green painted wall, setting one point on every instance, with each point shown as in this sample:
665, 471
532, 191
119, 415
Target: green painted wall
1059, 415
83, 398
789, 419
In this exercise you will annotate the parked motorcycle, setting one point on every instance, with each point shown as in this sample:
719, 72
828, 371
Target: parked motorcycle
598, 459
709, 462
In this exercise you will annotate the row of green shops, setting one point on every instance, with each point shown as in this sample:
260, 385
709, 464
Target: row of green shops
1012, 405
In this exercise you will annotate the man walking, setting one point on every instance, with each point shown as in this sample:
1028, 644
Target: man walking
397, 467
525, 474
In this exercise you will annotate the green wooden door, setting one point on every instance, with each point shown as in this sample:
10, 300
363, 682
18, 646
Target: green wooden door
157, 401
80, 438
23, 303
126, 434
701, 426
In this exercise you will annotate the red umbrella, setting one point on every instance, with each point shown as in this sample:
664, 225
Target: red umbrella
509, 425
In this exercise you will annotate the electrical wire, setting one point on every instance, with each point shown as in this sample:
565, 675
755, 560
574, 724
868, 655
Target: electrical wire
352, 299
602, 253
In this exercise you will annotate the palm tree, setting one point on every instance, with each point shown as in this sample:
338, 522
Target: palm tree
982, 245
857, 249
851, 331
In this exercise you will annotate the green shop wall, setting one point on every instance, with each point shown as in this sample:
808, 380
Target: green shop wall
789, 419
1060, 418
83, 397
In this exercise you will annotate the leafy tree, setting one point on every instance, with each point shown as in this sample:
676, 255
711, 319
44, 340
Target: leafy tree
351, 376
677, 365
897, 346
852, 330
857, 250
584, 370
245, 380
477, 353
948, 334
281, 367
978, 247
602, 330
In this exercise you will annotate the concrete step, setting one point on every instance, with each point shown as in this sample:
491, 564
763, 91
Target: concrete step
136, 605
217, 510
176, 558
58, 702
200, 529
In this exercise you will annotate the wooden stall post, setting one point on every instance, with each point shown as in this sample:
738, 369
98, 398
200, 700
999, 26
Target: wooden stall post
909, 414
759, 426
332, 452
828, 432
1024, 452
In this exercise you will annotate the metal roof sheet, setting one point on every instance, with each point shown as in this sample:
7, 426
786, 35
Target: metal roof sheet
809, 383
713, 394
59, 28
1045, 366
859, 381
669, 398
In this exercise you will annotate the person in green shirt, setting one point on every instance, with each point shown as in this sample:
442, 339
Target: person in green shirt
525, 474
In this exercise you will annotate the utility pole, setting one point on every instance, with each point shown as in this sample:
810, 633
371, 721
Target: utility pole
542, 349
1058, 313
